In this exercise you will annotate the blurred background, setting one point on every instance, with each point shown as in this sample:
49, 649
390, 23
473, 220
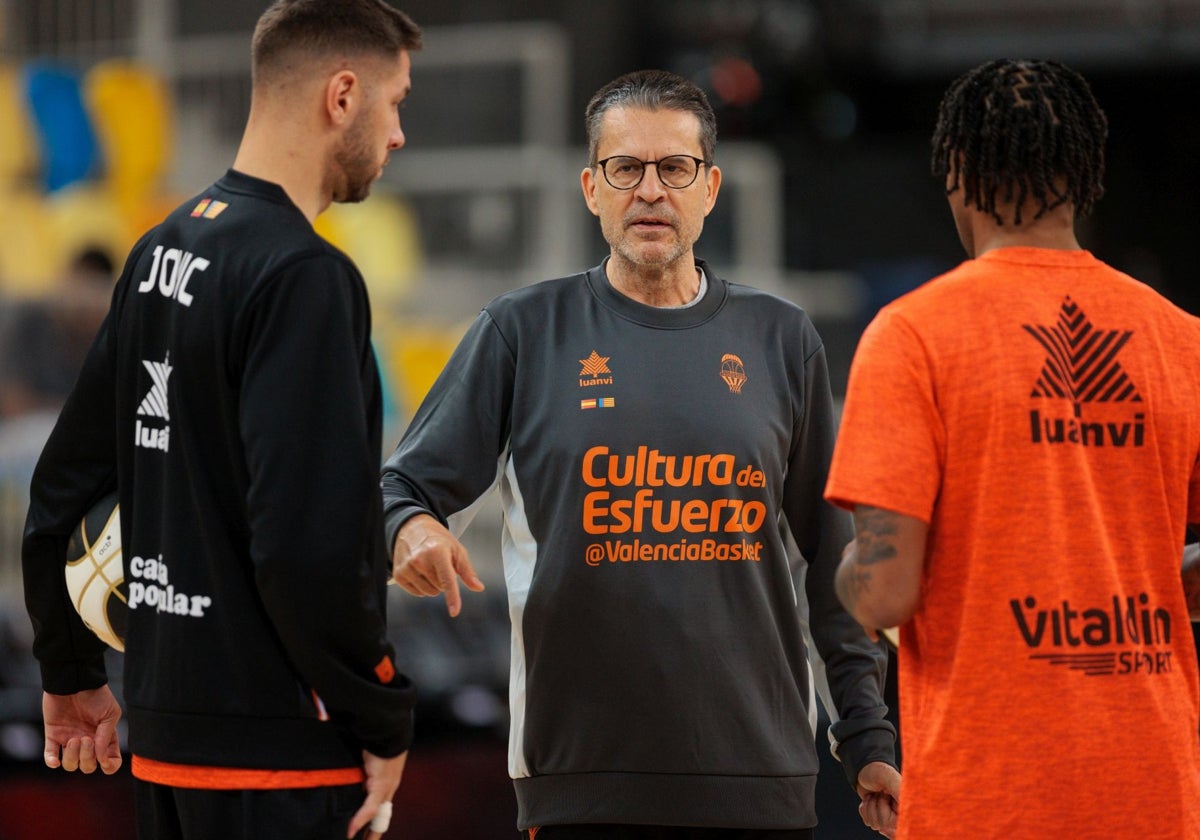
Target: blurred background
114, 111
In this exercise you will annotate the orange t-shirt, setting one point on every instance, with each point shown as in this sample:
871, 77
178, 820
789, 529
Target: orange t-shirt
1041, 412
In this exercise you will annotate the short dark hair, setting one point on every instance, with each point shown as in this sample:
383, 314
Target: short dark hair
1029, 128
328, 27
653, 90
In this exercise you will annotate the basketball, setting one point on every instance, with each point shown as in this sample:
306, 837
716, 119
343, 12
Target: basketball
96, 575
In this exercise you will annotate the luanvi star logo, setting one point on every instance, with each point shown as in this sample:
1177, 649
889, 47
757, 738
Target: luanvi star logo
1081, 366
155, 402
154, 405
594, 365
594, 369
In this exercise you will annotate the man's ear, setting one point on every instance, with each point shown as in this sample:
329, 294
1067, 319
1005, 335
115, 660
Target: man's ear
342, 94
587, 180
712, 186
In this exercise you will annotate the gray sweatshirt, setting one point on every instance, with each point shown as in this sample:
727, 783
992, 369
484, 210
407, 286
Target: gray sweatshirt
650, 461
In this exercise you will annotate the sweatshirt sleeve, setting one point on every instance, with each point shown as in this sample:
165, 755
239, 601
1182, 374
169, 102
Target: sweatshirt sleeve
76, 468
855, 667
313, 505
450, 454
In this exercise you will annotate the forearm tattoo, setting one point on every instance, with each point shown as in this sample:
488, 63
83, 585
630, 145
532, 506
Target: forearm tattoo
851, 583
874, 531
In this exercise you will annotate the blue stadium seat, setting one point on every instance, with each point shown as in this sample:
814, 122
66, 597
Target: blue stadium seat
66, 138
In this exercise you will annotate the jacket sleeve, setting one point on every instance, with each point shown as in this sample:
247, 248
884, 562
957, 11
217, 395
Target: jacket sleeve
854, 667
313, 504
450, 454
77, 467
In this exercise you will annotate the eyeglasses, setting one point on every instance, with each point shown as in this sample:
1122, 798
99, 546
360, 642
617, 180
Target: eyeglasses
676, 171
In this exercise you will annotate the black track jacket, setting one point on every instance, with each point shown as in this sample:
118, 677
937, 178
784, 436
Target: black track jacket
233, 396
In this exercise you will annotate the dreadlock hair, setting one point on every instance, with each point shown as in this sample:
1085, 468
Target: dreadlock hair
1021, 130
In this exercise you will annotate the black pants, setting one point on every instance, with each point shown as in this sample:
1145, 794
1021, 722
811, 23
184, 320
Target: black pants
662, 832
322, 813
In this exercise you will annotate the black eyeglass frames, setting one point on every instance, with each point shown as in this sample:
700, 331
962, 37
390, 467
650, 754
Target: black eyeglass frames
676, 171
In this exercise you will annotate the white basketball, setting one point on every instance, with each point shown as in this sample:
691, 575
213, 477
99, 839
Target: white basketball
96, 574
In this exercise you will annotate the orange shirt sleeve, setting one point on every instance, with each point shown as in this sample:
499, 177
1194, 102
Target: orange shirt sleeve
891, 444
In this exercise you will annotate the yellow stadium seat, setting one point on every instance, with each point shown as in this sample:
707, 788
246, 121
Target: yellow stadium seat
133, 112
31, 262
414, 355
18, 147
381, 236
89, 215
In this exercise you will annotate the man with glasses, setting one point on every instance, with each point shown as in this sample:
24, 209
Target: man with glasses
654, 431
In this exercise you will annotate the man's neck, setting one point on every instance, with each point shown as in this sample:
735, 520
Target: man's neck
268, 151
1055, 230
675, 285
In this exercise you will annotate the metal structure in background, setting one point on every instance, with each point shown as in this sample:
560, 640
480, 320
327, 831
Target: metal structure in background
920, 37
489, 168
494, 182
83, 31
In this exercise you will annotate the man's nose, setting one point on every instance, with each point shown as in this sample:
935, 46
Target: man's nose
651, 187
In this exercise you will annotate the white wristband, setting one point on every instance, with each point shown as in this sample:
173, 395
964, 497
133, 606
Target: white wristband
382, 819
